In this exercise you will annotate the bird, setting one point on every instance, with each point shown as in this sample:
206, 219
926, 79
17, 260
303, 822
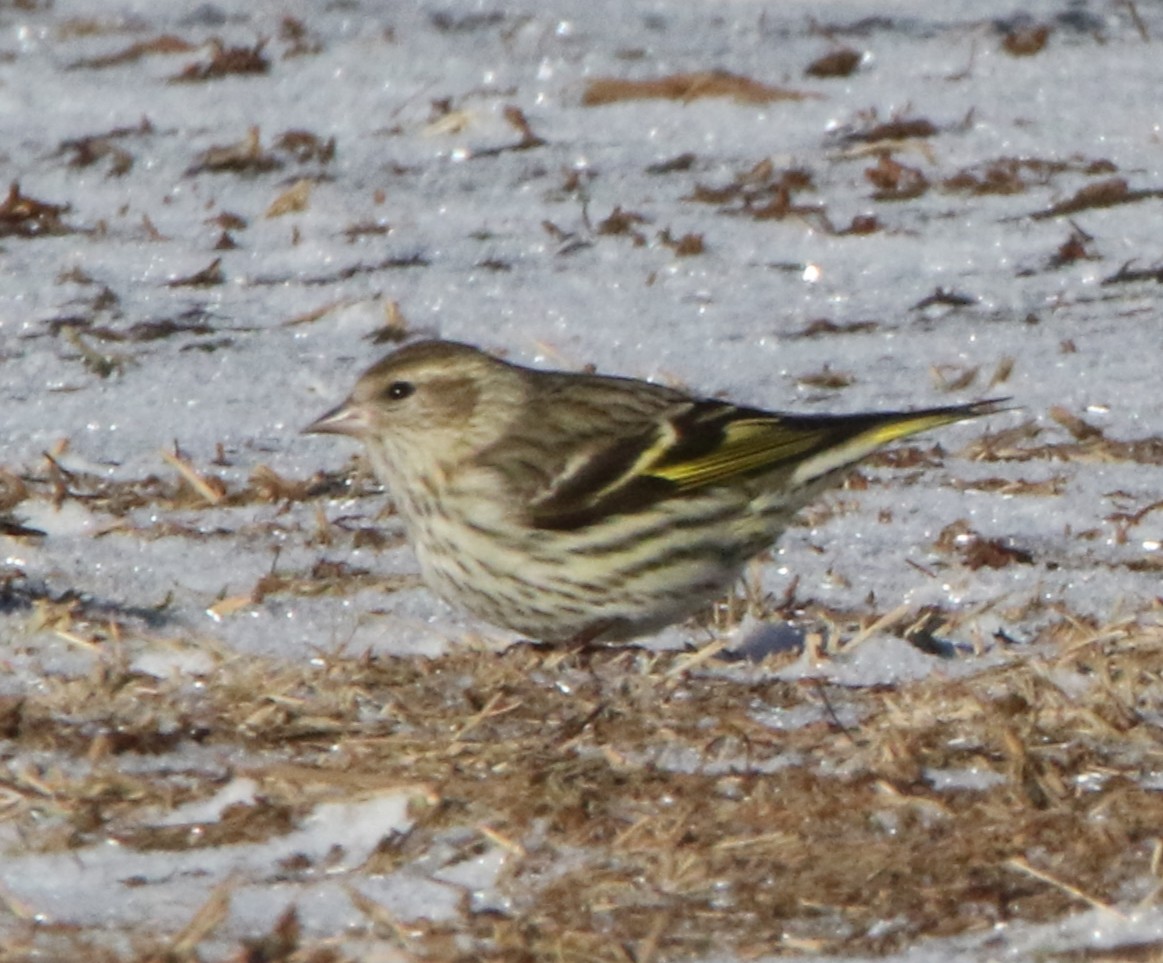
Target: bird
576, 507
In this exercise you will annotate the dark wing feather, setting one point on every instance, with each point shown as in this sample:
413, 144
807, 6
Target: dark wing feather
701, 443
610, 481
705, 443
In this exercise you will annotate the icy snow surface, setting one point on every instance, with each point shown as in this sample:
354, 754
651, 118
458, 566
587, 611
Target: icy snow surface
423, 185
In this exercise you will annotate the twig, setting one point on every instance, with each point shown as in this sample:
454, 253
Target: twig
1022, 866
188, 472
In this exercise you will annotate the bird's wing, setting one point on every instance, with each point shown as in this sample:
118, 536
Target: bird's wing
705, 443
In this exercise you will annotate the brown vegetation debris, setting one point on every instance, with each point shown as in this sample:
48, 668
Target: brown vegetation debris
237, 824
1003, 371
447, 22
941, 296
687, 87
209, 276
624, 222
445, 119
246, 156
395, 328
1008, 175
686, 246
294, 33
1025, 41
90, 151
13, 490
1089, 445
303, 146
1044, 488
907, 456
994, 553
837, 63
676, 164
394, 263
294, 200
827, 379
1108, 193
149, 330
225, 61
895, 181
192, 488
24, 216
11, 528
898, 128
207, 487
281, 944
563, 761
764, 193
165, 43
997, 177
353, 232
269, 486
516, 118
102, 364
331, 578
953, 377
1075, 248
822, 326
1081, 429
1124, 521
976, 551
1128, 275
87, 151
861, 224
495, 264
229, 221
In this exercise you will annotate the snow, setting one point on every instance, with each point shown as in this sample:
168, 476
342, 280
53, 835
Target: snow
728, 321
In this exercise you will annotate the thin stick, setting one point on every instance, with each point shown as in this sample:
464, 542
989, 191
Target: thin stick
1023, 867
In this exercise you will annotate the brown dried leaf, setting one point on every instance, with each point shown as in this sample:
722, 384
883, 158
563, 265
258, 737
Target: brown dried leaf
622, 222
686, 246
304, 146
837, 63
994, 553
897, 129
687, 87
827, 379
165, 43
294, 200
1080, 429
225, 61
209, 276
23, 216
822, 326
676, 164
246, 156
895, 181
1108, 193
1026, 41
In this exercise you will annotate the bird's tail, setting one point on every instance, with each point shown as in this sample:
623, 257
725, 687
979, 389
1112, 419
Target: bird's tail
846, 439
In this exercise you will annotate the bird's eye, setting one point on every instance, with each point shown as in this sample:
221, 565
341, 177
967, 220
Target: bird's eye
399, 390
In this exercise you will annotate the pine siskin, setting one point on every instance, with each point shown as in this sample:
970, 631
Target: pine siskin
575, 506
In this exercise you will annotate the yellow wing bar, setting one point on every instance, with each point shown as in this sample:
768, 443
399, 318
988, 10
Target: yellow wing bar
752, 444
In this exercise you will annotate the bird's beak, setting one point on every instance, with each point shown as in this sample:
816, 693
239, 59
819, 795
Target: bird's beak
345, 419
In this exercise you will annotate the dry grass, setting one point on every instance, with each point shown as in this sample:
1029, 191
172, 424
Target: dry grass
613, 855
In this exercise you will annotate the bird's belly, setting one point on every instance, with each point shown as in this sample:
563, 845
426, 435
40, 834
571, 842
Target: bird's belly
625, 576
